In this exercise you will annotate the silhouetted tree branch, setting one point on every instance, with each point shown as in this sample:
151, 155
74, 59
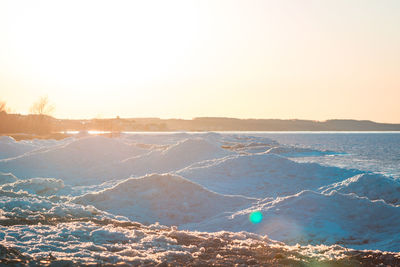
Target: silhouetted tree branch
42, 107
3, 107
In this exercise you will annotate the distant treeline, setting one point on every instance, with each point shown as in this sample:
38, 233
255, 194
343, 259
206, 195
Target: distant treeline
232, 124
16, 123
42, 124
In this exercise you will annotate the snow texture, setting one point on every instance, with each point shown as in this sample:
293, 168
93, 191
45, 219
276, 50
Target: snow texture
118, 200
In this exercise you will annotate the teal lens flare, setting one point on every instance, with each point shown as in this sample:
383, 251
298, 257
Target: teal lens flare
255, 217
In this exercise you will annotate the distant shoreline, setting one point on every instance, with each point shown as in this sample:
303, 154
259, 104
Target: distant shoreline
219, 124
43, 125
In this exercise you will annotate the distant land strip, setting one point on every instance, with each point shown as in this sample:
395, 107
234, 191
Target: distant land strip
43, 124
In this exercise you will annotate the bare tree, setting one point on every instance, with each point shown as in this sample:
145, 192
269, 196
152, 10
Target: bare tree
42, 107
3, 106
41, 110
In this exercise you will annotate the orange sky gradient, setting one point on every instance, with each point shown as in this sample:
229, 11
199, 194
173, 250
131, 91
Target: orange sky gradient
182, 59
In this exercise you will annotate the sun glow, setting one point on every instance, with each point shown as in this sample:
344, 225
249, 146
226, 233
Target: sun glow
184, 59
89, 44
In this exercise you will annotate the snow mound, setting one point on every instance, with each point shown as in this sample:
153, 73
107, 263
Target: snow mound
47, 142
247, 144
97, 144
292, 151
372, 186
173, 158
21, 207
159, 138
313, 218
38, 186
263, 175
253, 147
6, 178
10, 148
173, 138
247, 139
168, 199
195, 149
75, 162
7, 140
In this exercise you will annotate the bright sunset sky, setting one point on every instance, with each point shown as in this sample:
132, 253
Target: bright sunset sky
181, 59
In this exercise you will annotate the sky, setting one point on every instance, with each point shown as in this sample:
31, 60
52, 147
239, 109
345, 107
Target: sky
282, 59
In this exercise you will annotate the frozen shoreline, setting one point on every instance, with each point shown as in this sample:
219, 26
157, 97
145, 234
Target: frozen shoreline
200, 182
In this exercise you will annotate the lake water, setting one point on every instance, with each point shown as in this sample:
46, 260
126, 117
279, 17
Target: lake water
368, 151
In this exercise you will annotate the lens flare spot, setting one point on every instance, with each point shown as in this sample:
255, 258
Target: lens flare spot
255, 217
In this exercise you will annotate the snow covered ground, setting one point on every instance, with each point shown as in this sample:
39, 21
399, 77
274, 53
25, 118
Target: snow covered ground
94, 198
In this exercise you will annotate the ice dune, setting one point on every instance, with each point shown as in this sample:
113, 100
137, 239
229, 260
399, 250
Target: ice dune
249, 148
175, 157
168, 199
292, 151
158, 139
97, 159
48, 186
252, 145
233, 142
22, 207
372, 186
195, 149
48, 143
74, 162
37, 186
174, 137
10, 148
247, 144
247, 139
262, 175
314, 218
6, 178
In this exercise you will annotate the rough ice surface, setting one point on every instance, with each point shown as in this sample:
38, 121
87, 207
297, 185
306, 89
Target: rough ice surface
136, 244
110, 200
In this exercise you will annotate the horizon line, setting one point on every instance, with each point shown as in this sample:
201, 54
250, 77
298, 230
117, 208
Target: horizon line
209, 117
